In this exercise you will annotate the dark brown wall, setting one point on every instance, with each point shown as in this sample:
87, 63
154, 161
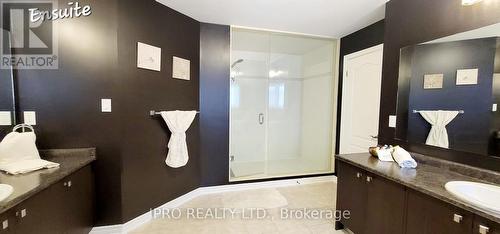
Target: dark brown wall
147, 181
411, 22
67, 100
98, 60
363, 39
214, 103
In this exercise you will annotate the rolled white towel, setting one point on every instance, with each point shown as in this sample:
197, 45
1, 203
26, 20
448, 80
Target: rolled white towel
403, 158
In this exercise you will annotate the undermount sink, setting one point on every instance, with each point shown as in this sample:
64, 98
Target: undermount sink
5, 191
483, 196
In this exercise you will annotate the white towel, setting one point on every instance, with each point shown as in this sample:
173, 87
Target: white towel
18, 146
384, 155
438, 136
178, 122
19, 154
403, 158
25, 166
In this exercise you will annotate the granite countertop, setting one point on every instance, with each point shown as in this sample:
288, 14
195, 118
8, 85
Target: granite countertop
429, 177
28, 185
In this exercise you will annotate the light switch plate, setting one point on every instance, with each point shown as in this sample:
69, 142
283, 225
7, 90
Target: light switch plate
30, 118
5, 118
105, 105
5, 224
392, 121
494, 108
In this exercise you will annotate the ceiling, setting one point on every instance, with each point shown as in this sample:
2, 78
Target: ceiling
275, 43
330, 18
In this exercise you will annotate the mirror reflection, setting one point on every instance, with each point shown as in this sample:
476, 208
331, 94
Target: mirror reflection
449, 90
7, 108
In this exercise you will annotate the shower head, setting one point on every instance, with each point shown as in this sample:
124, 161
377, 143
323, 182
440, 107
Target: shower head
237, 61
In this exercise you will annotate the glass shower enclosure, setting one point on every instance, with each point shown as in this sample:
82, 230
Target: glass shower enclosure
282, 99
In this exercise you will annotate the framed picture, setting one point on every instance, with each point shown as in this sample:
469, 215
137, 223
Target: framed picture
467, 76
433, 81
181, 68
148, 57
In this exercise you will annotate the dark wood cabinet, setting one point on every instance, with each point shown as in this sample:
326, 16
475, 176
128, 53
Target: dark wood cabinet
66, 207
33, 215
351, 196
379, 205
376, 205
7, 222
483, 226
427, 215
385, 206
80, 202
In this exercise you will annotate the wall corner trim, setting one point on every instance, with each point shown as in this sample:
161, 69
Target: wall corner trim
147, 217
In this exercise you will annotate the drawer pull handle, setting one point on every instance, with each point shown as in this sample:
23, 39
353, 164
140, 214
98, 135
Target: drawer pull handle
369, 179
23, 213
5, 224
483, 229
457, 218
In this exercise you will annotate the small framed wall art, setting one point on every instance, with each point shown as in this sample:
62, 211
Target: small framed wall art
433, 81
181, 68
467, 76
148, 57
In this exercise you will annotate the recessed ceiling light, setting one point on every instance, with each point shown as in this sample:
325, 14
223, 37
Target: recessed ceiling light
470, 2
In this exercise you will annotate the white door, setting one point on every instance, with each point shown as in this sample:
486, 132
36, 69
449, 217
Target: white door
361, 100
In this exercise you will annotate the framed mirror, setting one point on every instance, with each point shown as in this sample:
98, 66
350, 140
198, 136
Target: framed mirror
7, 93
449, 92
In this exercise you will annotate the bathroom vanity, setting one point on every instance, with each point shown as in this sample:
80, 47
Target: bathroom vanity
383, 198
58, 200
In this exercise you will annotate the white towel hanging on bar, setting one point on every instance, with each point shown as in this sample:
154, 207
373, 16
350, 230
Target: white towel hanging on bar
438, 136
178, 122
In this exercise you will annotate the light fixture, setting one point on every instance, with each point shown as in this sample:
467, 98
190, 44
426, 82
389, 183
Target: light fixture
470, 2
273, 73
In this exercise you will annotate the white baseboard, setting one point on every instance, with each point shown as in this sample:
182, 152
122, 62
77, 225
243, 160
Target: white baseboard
147, 217
111, 229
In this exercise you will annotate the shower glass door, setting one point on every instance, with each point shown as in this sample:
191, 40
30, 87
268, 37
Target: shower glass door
249, 84
281, 105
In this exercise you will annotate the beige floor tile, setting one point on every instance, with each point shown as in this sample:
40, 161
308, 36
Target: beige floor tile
311, 196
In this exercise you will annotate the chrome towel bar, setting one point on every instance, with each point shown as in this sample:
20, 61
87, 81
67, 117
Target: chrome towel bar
153, 112
418, 111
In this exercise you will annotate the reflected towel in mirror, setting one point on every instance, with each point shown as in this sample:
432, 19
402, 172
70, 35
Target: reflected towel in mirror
438, 136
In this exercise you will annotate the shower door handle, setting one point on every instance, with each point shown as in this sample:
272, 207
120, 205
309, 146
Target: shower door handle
261, 118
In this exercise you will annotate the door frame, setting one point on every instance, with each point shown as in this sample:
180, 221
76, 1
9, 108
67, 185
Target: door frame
346, 60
